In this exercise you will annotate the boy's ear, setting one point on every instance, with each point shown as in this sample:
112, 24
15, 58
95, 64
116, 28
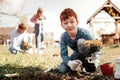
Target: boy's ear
61, 23
77, 21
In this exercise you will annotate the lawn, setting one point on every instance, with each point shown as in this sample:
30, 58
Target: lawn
25, 64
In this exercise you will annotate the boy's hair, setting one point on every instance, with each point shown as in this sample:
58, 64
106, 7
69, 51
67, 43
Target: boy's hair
40, 10
22, 26
66, 13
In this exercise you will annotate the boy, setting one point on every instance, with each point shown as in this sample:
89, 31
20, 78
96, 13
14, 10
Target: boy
18, 39
74, 37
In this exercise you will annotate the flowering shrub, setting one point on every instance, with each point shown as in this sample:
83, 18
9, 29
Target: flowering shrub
93, 46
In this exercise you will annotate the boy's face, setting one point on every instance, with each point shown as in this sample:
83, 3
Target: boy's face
39, 15
20, 31
70, 24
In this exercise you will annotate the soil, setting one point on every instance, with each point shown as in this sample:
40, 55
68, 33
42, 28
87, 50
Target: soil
38, 75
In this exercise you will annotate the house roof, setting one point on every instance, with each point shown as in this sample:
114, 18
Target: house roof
108, 7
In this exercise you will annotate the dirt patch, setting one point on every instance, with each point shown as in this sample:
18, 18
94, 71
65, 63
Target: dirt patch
38, 75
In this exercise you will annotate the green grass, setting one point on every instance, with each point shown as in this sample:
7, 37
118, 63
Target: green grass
20, 63
10, 63
110, 54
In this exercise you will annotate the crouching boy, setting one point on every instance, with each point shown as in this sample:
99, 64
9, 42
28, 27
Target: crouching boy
19, 40
73, 37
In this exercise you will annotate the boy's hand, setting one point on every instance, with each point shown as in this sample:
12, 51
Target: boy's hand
21, 51
26, 45
74, 64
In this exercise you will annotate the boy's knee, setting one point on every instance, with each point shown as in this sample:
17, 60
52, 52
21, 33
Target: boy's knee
62, 68
81, 46
13, 51
80, 41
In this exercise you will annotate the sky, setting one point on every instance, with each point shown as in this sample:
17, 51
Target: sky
52, 10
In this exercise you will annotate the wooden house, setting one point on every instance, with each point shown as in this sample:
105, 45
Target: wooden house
114, 14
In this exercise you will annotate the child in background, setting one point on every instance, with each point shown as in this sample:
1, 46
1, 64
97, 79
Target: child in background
19, 39
37, 19
73, 37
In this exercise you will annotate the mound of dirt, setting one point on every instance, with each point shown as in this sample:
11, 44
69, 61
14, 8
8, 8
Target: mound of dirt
37, 75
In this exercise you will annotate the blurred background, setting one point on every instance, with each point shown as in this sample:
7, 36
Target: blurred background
13, 11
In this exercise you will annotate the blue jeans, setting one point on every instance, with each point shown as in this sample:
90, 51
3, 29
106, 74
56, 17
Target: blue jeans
37, 40
42, 37
39, 37
15, 51
36, 31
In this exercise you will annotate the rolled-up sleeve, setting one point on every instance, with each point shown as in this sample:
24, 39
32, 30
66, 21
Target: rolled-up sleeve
64, 50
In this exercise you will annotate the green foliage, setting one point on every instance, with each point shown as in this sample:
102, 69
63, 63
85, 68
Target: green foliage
92, 50
20, 63
27, 63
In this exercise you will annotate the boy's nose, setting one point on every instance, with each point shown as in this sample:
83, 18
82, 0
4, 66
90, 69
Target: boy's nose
69, 24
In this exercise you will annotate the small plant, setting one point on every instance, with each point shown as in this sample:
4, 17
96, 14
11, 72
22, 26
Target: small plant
93, 46
26, 47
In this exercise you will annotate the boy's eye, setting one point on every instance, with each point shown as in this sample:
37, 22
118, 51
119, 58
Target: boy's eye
71, 21
66, 23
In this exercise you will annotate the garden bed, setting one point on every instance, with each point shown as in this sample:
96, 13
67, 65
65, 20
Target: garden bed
38, 75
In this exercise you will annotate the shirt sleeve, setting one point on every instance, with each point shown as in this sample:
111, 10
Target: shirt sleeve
33, 19
13, 41
64, 50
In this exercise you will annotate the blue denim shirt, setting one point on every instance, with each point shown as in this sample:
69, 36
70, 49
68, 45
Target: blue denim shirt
67, 41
